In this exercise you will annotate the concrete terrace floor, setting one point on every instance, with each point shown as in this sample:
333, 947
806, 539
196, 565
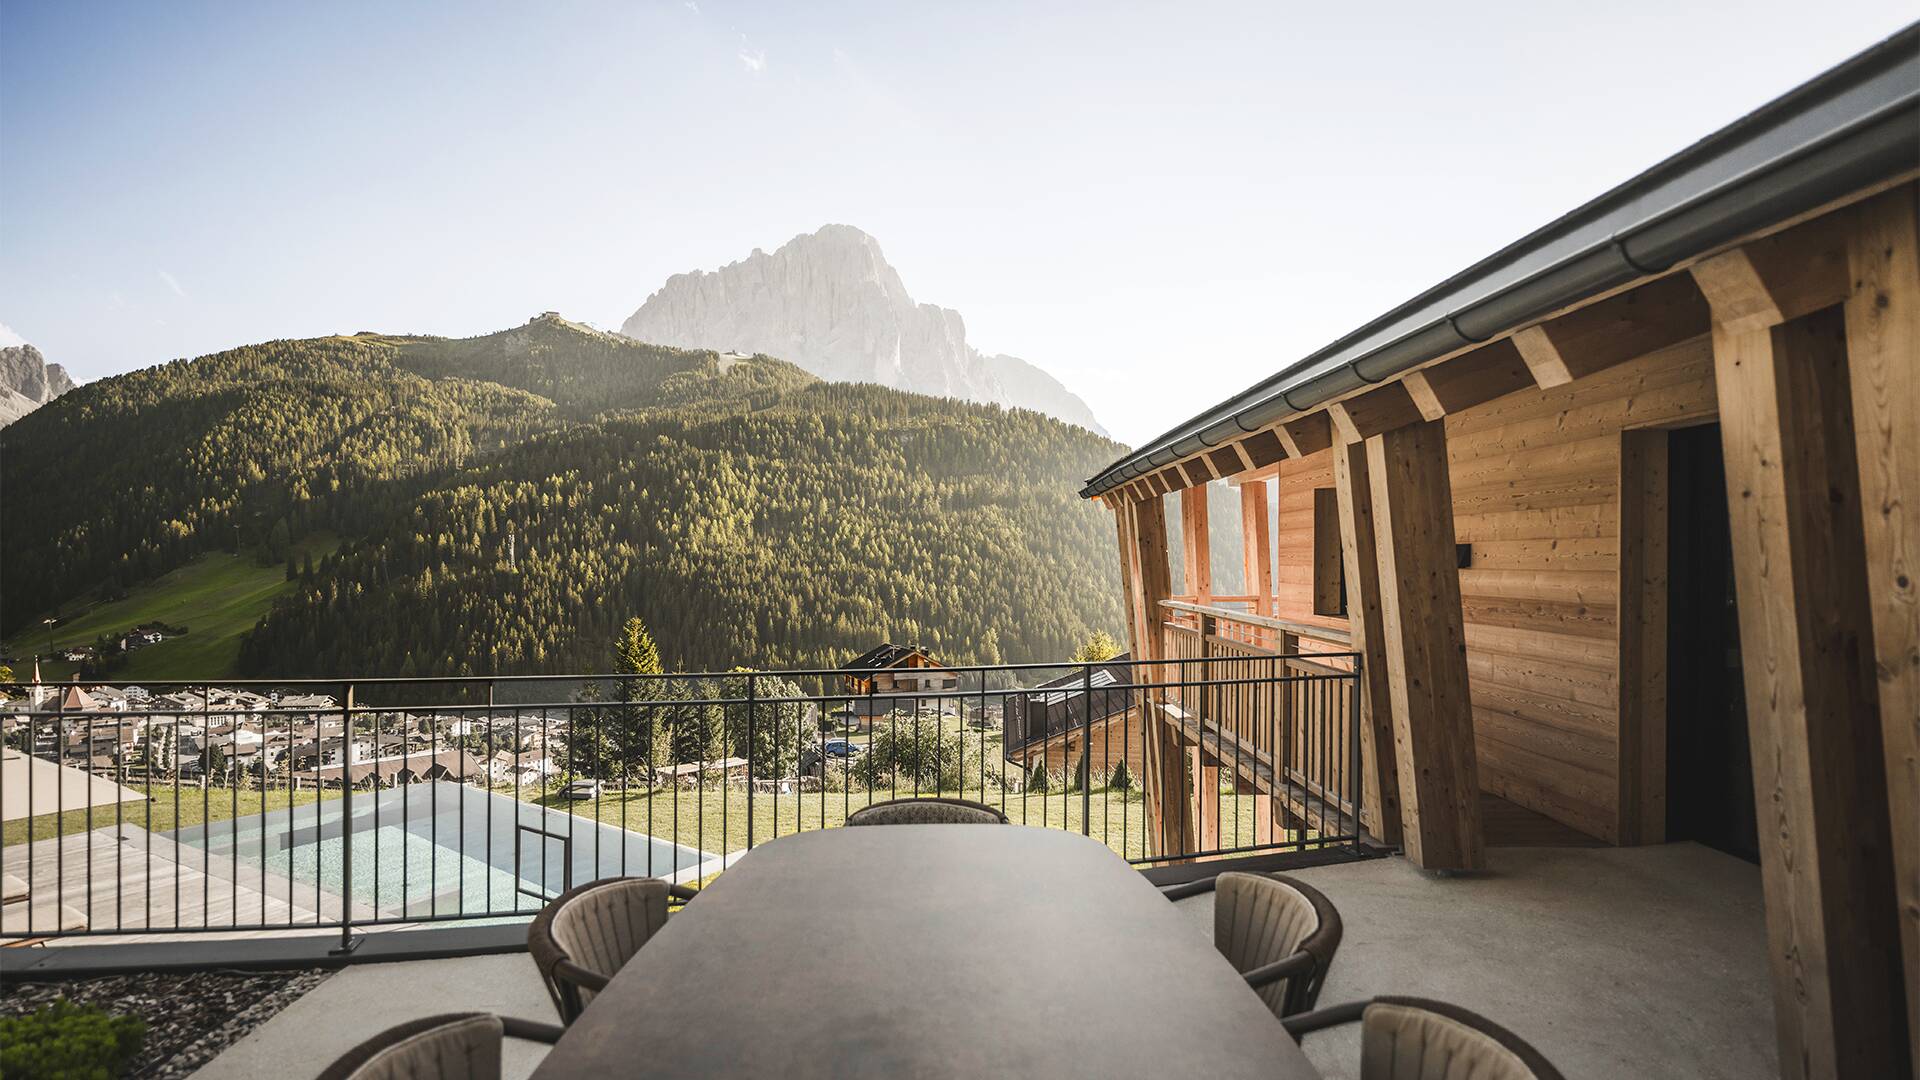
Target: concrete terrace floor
1644, 962
1613, 962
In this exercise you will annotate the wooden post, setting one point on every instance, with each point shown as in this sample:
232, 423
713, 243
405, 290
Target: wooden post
1806, 634
1256, 545
1883, 353
1169, 807
1196, 548
1380, 774
1425, 640
1641, 764
1206, 796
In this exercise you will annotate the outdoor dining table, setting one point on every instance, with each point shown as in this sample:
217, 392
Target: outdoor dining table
928, 951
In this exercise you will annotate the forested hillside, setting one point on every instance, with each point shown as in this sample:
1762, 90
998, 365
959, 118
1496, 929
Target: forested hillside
129, 477
751, 514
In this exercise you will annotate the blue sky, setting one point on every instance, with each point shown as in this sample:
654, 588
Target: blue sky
1160, 203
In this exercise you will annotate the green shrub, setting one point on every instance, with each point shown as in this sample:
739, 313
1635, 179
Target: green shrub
65, 1041
906, 753
1121, 779
1039, 781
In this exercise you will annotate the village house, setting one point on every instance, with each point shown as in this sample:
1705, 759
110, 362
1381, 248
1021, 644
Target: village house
1091, 711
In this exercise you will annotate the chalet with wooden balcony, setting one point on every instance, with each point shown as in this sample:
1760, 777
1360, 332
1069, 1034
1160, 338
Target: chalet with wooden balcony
1622, 524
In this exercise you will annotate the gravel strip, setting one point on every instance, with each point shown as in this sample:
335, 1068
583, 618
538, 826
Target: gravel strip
190, 1017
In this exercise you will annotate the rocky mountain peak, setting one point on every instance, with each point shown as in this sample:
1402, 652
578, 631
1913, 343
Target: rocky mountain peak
830, 302
27, 381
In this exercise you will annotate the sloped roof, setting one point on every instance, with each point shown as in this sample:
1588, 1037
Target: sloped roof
885, 656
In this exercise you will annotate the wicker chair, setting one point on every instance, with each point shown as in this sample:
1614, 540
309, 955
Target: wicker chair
928, 811
451, 1046
1279, 932
581, 939
1404, 1038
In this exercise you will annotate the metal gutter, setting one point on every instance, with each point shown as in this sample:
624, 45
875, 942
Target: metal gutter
1846, 129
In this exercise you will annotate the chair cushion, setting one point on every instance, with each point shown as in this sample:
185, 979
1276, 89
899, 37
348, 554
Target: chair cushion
462, 1048
1405, 1042
926, 812
1258, 920
601, 928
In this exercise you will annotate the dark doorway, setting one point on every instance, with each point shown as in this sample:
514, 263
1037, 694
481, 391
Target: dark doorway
1709, 767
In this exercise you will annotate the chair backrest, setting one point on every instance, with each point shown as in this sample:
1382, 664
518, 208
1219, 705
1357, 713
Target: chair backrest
927, 811
451, 1046
598, 926
1260, 919
1416, 1039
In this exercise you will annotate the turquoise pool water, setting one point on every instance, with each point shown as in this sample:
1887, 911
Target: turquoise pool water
439, 849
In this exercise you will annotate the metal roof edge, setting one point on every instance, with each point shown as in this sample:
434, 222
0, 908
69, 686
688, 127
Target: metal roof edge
1841, 131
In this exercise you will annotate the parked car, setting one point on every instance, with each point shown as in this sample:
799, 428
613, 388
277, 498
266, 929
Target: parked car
843, 749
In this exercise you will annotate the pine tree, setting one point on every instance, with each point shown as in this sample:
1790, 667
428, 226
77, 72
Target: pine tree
1099, 647
635, 653
636, 732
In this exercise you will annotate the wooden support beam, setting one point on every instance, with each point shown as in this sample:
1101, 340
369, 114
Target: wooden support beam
1782, 277
1186, 478
1883, 353
1641, 768
1425, 642
1239, 447
1256, 545
1806, 645
1195, 543
1309, 434
1206, 797
1379, 764
1168, 794
1381, 409
1660, 313
1493, 370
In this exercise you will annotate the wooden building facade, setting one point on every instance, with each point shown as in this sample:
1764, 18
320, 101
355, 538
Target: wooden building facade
1623, 523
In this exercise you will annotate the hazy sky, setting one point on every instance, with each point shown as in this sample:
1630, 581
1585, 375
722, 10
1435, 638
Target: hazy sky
1159, 203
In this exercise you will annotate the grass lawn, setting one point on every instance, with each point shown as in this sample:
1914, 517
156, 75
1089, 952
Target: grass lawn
217, 597
713, 820
716, 820
218, 804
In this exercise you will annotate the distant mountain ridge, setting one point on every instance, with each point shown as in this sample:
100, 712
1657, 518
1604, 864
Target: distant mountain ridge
503, 503
829, 302
27, 381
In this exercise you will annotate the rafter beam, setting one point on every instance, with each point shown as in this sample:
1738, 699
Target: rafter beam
1308, 434
1662, 312
1781, 277
1382, 409
1493, 370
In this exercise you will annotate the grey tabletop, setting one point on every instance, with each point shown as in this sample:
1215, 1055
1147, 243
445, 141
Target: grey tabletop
928, 951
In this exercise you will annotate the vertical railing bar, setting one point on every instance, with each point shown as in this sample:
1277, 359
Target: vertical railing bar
1086, 749
487, 778
206, 841
752, 692
1357, 784
346, 816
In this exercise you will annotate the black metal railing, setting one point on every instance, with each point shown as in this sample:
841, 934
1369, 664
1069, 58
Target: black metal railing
332, 805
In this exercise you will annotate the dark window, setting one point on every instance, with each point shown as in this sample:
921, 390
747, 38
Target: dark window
1329, 567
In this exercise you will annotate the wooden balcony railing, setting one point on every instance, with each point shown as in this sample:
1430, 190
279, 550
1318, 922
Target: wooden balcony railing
1270, 690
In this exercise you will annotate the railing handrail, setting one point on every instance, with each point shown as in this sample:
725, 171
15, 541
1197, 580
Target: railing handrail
264, 835
1269, 622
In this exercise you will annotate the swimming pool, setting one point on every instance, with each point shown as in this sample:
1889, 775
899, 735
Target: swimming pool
435, 849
